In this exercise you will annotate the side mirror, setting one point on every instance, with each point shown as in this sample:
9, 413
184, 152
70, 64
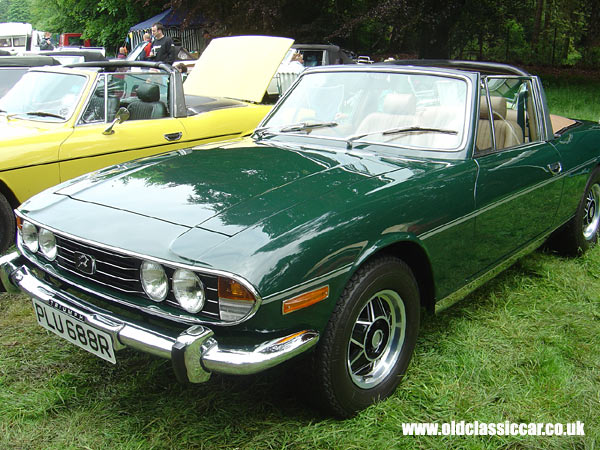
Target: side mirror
121, 116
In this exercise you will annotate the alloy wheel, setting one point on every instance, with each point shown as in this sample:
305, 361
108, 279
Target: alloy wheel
377, 338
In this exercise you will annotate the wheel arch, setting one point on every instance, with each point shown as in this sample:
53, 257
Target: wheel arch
8, 194
415, 256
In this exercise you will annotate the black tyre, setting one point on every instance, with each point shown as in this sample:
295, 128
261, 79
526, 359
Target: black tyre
7, 225
581, 232
369, 340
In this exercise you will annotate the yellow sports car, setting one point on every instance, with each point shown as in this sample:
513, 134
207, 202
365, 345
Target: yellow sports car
60, 122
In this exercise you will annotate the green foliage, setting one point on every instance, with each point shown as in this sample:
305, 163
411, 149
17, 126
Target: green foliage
14, 11
591, 57
552, 32
106, 22
549, 32
4, 5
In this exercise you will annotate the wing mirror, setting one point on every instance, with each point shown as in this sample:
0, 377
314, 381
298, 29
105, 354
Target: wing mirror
121, 116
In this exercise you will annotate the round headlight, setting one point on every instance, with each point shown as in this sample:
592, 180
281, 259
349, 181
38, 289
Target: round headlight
189, 290
47, 244
154, 281
29, 232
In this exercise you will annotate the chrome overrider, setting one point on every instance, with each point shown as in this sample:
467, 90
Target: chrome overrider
195, 353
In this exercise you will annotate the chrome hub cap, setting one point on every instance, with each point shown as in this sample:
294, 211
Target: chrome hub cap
591, 213
376, 340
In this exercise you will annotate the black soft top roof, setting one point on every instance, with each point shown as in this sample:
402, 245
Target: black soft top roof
335, 51
486, 68
27, 61
88, 55
115, 64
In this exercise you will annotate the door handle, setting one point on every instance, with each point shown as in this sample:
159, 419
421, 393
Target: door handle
555, 168
173, 136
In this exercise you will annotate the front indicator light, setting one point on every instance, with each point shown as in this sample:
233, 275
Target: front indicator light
154, 281
47, 243
305, 300
235, 300
188, 290
29, 232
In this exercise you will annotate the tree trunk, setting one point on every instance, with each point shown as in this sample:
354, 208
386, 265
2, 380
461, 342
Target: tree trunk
548, 14
535, 35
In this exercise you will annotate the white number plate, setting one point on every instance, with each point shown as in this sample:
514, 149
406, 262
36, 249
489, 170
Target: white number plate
75, 330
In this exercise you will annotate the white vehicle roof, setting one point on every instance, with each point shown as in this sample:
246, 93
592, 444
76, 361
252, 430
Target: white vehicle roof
15, 29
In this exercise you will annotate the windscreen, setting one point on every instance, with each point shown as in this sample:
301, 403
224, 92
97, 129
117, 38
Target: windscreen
44, 96
9, 77
411, 110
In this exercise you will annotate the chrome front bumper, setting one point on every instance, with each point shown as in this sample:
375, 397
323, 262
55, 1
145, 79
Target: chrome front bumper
195, 353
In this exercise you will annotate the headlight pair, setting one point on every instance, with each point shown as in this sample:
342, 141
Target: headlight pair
41, 240
235, 300
187, 287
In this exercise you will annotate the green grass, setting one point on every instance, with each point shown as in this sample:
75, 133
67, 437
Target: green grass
523, 348
575, 96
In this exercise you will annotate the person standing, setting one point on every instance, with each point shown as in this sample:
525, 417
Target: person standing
161, 46
46, 43
296, 64
147, 47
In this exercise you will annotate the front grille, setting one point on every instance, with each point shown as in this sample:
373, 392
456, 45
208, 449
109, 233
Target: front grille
116, 271
122, 273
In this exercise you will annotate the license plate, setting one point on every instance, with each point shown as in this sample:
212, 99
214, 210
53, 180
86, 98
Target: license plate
75, 330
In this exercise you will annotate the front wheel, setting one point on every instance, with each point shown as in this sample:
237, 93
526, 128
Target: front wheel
7, 225
370, 337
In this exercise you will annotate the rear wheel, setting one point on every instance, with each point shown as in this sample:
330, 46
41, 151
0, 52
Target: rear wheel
7, 225
370, 337
581, 232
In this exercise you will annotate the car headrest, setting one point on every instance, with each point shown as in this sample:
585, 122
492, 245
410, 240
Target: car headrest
148, 92
498, 106
405, 104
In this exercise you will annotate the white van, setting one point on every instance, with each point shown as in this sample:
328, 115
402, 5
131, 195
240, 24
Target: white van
17, 37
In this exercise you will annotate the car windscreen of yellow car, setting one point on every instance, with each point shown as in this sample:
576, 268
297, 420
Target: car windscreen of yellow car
44, 96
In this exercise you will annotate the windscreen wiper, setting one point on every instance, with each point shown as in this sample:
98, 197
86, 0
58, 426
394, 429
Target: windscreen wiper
300, 126
307, 126
392, 131
44, 114
262, 132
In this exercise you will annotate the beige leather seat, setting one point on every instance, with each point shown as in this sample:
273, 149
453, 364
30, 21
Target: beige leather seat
398, 112
444, 118
508, 133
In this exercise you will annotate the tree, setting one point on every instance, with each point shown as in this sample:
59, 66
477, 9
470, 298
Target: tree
15, 11
106, 22
4, 5
525, 31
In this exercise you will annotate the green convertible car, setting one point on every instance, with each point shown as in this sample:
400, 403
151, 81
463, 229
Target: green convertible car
367, 194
